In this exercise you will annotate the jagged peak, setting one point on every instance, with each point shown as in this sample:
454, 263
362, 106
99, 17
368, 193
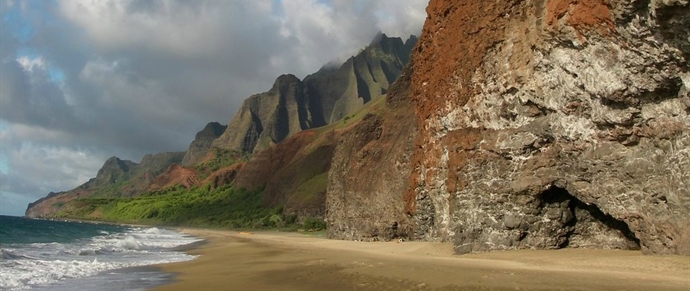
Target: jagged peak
286, 78
378, 38
411, 40
114, 165
117, 162
212, 129
160, 160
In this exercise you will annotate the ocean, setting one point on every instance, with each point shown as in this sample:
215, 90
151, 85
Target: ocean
58, 255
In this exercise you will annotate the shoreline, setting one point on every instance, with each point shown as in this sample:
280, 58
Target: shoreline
266, 260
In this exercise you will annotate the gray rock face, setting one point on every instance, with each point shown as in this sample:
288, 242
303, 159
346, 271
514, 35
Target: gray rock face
370, 170
267, 118
115, 170
567, 126
202, 143
332, 93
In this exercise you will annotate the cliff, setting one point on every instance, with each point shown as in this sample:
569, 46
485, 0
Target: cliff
199, 148
267, 118
332, 93
370, 169
551, 124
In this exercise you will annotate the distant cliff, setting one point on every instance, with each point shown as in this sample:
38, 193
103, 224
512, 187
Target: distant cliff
332, 93
116, 178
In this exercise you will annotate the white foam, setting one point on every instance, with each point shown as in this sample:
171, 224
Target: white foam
129, 243
44, 264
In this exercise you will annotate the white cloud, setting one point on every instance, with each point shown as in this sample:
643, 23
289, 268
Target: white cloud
28, 64
184, 28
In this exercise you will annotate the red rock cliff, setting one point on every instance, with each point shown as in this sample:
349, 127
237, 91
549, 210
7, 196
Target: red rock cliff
550, 124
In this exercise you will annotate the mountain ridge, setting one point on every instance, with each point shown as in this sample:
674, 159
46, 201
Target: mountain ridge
220, 155
330, 94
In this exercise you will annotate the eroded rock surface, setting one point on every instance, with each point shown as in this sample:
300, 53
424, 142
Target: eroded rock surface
329, 95
370, 172
546, 124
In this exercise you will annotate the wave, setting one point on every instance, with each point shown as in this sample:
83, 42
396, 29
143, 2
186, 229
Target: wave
7, 255
31, 265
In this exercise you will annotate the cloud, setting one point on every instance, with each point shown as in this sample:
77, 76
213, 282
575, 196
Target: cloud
83, 80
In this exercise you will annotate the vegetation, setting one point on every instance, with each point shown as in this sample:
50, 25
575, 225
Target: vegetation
222, 158
225, 206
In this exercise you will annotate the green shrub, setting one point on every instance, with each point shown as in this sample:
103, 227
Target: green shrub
313, 224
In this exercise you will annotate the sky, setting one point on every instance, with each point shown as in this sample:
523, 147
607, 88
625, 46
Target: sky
84, 80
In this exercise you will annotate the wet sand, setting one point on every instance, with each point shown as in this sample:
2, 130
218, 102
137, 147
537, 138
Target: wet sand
292, 261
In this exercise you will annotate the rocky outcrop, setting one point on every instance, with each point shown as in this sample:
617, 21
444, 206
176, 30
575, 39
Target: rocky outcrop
223, 176
114, 170
293, 105
342, 91
267, 118
550, 124
199, 148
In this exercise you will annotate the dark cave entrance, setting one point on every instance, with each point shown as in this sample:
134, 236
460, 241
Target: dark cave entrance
586, 224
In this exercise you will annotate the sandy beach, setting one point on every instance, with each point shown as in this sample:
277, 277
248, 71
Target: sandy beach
232, 260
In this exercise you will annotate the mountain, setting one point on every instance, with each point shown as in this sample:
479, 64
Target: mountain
116, 178
331, 94
291, 174
370, 170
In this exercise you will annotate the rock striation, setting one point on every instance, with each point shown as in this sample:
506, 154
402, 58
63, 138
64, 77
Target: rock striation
370, 170
267, 118
551, 124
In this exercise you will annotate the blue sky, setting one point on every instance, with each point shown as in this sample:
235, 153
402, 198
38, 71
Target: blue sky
82, 80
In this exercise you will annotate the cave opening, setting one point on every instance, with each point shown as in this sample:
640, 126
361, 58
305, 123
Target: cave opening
586, 223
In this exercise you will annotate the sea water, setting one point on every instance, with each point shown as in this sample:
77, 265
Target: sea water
58, 255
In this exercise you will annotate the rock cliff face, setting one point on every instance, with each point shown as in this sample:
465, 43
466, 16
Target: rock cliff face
293, 105
550, 124
202, 143
362, 78
267, 118
293, 173
370, 169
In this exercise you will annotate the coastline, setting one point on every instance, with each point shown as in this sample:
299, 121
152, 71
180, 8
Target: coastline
231, 260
